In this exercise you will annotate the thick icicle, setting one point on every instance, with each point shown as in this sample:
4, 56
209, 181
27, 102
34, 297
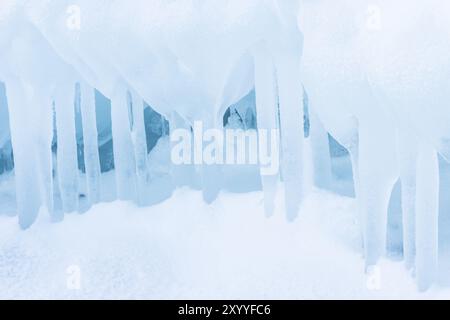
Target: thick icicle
377, 175
320, 152
124, 163
291, 122
140, 145
4, 124
211, 174
43, 121
266, 113
354, 158
394, 225
427, 212
67, 146
211, 182
23, 143
408, 150
90, 142
182, 174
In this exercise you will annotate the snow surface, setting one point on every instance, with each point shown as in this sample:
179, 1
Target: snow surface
226, 250
170, 250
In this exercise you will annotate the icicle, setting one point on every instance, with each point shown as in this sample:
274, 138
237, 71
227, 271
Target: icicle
353, 151
211, 182
124, 163
67, 146
394, 225
90, 141
40, 125
2, 166
43, 120
427, 212
266, 113
351, 143
25, 159
211, 174
377, 174
182, 174
140, 145
291, 120
408, 150
320, 152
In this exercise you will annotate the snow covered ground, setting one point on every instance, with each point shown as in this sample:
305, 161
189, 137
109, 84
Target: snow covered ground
183, 248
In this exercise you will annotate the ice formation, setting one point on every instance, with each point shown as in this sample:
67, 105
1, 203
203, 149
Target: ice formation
374, 76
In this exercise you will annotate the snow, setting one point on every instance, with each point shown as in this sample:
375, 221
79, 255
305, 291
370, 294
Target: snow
224, 250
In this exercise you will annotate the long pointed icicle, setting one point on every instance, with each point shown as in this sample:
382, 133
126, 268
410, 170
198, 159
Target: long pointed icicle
292, 135
376, 182
211, 174
427, 212
266, 113
22, 138
67, 146
124, 163
90, 141
140, 145
43, 120
320, 152
354, 158
182, 174
408, 150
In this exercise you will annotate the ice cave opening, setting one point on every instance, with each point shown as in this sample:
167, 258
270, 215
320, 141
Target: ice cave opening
89, 99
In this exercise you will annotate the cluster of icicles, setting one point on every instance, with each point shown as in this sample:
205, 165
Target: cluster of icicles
377, 77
